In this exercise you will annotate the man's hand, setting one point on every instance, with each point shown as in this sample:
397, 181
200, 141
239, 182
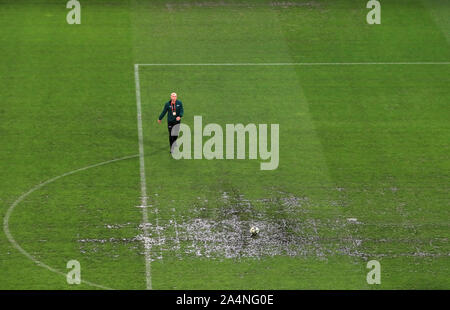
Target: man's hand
159, 121
178, 118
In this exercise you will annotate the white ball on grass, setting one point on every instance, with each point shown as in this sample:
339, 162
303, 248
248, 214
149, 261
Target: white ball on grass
254, 230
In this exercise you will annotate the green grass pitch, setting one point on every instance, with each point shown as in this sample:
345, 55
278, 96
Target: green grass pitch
368, 142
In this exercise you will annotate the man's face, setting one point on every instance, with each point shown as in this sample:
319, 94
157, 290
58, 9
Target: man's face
173, 97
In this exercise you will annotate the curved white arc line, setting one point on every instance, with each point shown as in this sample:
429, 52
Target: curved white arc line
21, 198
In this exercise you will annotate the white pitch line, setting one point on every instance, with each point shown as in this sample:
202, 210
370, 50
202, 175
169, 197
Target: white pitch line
143, 179
37, 187
296, 64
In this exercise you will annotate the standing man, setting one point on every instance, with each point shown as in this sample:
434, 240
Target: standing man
175, 111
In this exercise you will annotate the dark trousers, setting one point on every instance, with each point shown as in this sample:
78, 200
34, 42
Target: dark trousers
173, 135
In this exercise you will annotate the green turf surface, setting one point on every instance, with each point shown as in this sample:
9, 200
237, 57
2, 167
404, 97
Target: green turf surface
365, 142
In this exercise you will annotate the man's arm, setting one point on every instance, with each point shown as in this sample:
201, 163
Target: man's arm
181, 110
164, 111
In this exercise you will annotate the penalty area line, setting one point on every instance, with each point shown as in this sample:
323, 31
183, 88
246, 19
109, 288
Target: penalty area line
144, 196
296, 64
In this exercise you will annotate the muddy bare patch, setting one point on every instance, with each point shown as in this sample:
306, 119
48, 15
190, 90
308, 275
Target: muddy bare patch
286, 229
118, 226
230, 238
